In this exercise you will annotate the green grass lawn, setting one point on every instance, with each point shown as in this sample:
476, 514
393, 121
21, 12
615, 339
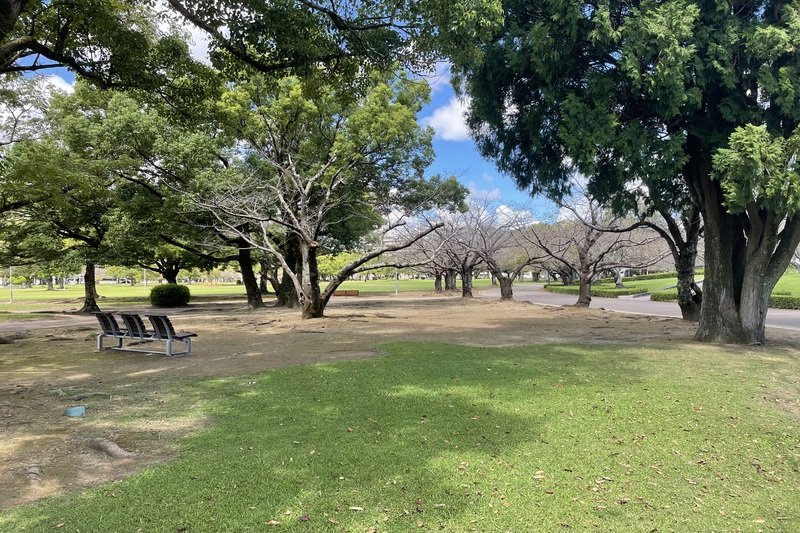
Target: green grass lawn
789, 284
438, 437
40, 299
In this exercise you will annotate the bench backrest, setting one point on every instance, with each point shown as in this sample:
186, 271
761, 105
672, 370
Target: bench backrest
162, 327
135, 326
108, 324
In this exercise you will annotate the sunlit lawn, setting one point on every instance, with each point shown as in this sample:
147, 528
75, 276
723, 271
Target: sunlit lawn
38, 298
437, 437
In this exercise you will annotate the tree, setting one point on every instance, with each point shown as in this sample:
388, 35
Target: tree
590, 240
345, 39
636, 92
319, 160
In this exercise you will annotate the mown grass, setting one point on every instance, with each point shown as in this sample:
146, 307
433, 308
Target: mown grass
40, 299
440, 437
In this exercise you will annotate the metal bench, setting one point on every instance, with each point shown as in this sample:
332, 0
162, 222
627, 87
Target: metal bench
110, 329
164, 330
135, 330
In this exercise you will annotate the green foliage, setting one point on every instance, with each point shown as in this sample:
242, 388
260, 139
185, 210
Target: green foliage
784, 301
760, 170
169, 295
562, 435
600, 292
664, 296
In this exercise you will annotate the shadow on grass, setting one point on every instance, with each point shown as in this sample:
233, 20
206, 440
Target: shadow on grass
432, 436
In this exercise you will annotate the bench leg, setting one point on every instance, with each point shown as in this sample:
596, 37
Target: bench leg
188, 346
169, 348
100, 342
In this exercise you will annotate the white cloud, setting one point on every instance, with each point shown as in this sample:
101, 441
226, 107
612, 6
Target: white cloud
54, 82
448, 120
488, 178
439, 77
518, 217
478, 195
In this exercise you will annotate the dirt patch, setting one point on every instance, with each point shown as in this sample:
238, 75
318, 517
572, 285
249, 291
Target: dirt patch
129, 401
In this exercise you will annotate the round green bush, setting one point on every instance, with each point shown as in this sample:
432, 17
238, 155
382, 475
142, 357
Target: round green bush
169, 295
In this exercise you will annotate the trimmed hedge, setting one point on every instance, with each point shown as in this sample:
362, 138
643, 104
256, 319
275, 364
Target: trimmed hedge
600, 292
664, 296
776, 301
656, 275
781, 301
170, 295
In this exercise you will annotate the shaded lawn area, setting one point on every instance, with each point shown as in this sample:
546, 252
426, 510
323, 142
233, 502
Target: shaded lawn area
544, 438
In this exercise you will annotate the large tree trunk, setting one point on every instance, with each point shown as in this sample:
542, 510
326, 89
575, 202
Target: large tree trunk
466, 282
9, 13
285, 291
690, 296
450, 280
50, 286
89, 291
170, 273
313, 302
506, 292
745, 258
437, 281
268, 274
245, 260
585, 290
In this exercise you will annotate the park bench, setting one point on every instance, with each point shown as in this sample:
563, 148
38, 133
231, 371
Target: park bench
109, 329
135, 330
345, 293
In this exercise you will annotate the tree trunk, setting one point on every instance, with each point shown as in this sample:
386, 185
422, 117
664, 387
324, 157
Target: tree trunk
450, 280
506, 292
690, 296
437, 281
585, 291
267, 275
618, 277
50, 286
285, 291
744, 259
61, 282
170, 273
245, 260
494, 280
313, 302
89, 291
466, 282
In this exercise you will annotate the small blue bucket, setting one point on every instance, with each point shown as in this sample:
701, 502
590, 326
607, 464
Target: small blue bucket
76, 411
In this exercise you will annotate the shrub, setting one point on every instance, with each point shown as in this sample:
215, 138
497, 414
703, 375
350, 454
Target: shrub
600, 292
169, 295
780, 301
664, 296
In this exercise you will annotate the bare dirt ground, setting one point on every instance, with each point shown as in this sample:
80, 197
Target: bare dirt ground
130, 402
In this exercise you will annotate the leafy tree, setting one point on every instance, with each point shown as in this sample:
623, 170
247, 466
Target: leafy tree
342, 38
649, 91
317, 160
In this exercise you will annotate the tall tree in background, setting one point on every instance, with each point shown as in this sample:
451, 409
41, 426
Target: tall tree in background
657, 89
316, 160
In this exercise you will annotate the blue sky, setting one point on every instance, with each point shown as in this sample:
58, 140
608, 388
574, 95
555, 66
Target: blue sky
456, 153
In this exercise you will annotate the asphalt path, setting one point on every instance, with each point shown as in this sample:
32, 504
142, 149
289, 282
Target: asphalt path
776, 318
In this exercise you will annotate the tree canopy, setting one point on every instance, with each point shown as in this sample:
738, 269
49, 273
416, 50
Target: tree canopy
641, 93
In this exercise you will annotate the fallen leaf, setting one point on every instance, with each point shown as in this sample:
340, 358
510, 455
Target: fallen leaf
354, 508
58, 526
548, 491
273, 523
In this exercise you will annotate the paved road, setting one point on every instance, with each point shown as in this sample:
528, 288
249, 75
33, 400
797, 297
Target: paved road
776, 318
